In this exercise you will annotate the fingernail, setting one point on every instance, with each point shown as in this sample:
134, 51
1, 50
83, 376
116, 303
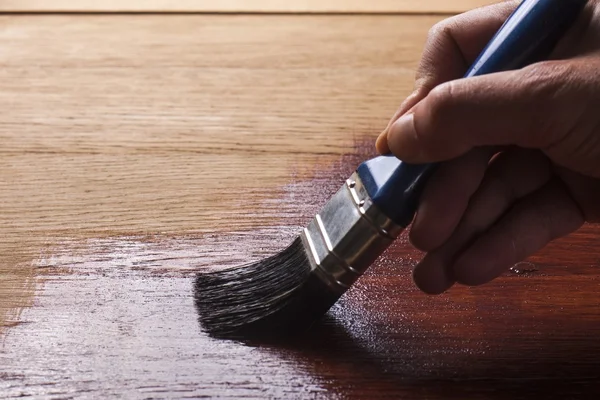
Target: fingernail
381, 143
406, 107
402, 138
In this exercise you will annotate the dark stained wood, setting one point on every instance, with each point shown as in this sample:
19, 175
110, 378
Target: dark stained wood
138, 151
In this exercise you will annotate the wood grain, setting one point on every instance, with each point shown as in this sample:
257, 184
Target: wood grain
138, 150
268, 6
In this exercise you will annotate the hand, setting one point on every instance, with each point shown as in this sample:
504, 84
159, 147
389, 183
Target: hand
520, 150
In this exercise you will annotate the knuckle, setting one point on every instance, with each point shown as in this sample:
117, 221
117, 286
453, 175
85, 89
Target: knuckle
549, 84
440, 29
547, 76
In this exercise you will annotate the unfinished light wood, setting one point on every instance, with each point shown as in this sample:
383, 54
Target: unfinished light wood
343, 6
139, 150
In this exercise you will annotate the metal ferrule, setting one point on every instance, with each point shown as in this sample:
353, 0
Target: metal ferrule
347, 235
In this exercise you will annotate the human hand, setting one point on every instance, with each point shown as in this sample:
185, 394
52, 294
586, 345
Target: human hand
520, 149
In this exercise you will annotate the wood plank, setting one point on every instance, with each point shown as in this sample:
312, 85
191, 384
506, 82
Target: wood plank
138, 150
280, 6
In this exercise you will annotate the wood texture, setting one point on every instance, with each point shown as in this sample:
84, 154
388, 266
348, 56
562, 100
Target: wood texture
138, 150
342, 6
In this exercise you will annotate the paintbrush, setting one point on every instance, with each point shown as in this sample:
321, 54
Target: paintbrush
285, 293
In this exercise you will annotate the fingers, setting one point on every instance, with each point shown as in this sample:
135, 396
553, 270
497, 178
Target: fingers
432, 275
538, 219
584, 190
533, 107
446, 197
511, 176
452, 45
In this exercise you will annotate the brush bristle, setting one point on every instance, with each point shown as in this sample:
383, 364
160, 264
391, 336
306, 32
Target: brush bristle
273, 297
231, 301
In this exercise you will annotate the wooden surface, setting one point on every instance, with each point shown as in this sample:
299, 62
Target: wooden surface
138, 150
310, 6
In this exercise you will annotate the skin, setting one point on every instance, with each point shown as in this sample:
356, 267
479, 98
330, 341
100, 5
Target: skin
520, 150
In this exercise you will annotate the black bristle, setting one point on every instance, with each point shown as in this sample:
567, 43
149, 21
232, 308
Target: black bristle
270, 298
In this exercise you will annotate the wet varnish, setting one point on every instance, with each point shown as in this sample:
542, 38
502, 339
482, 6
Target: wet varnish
138, 150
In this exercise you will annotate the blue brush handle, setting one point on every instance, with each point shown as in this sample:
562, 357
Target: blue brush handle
527, 36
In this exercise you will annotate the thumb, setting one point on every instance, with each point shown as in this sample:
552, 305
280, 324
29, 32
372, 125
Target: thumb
532, 107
